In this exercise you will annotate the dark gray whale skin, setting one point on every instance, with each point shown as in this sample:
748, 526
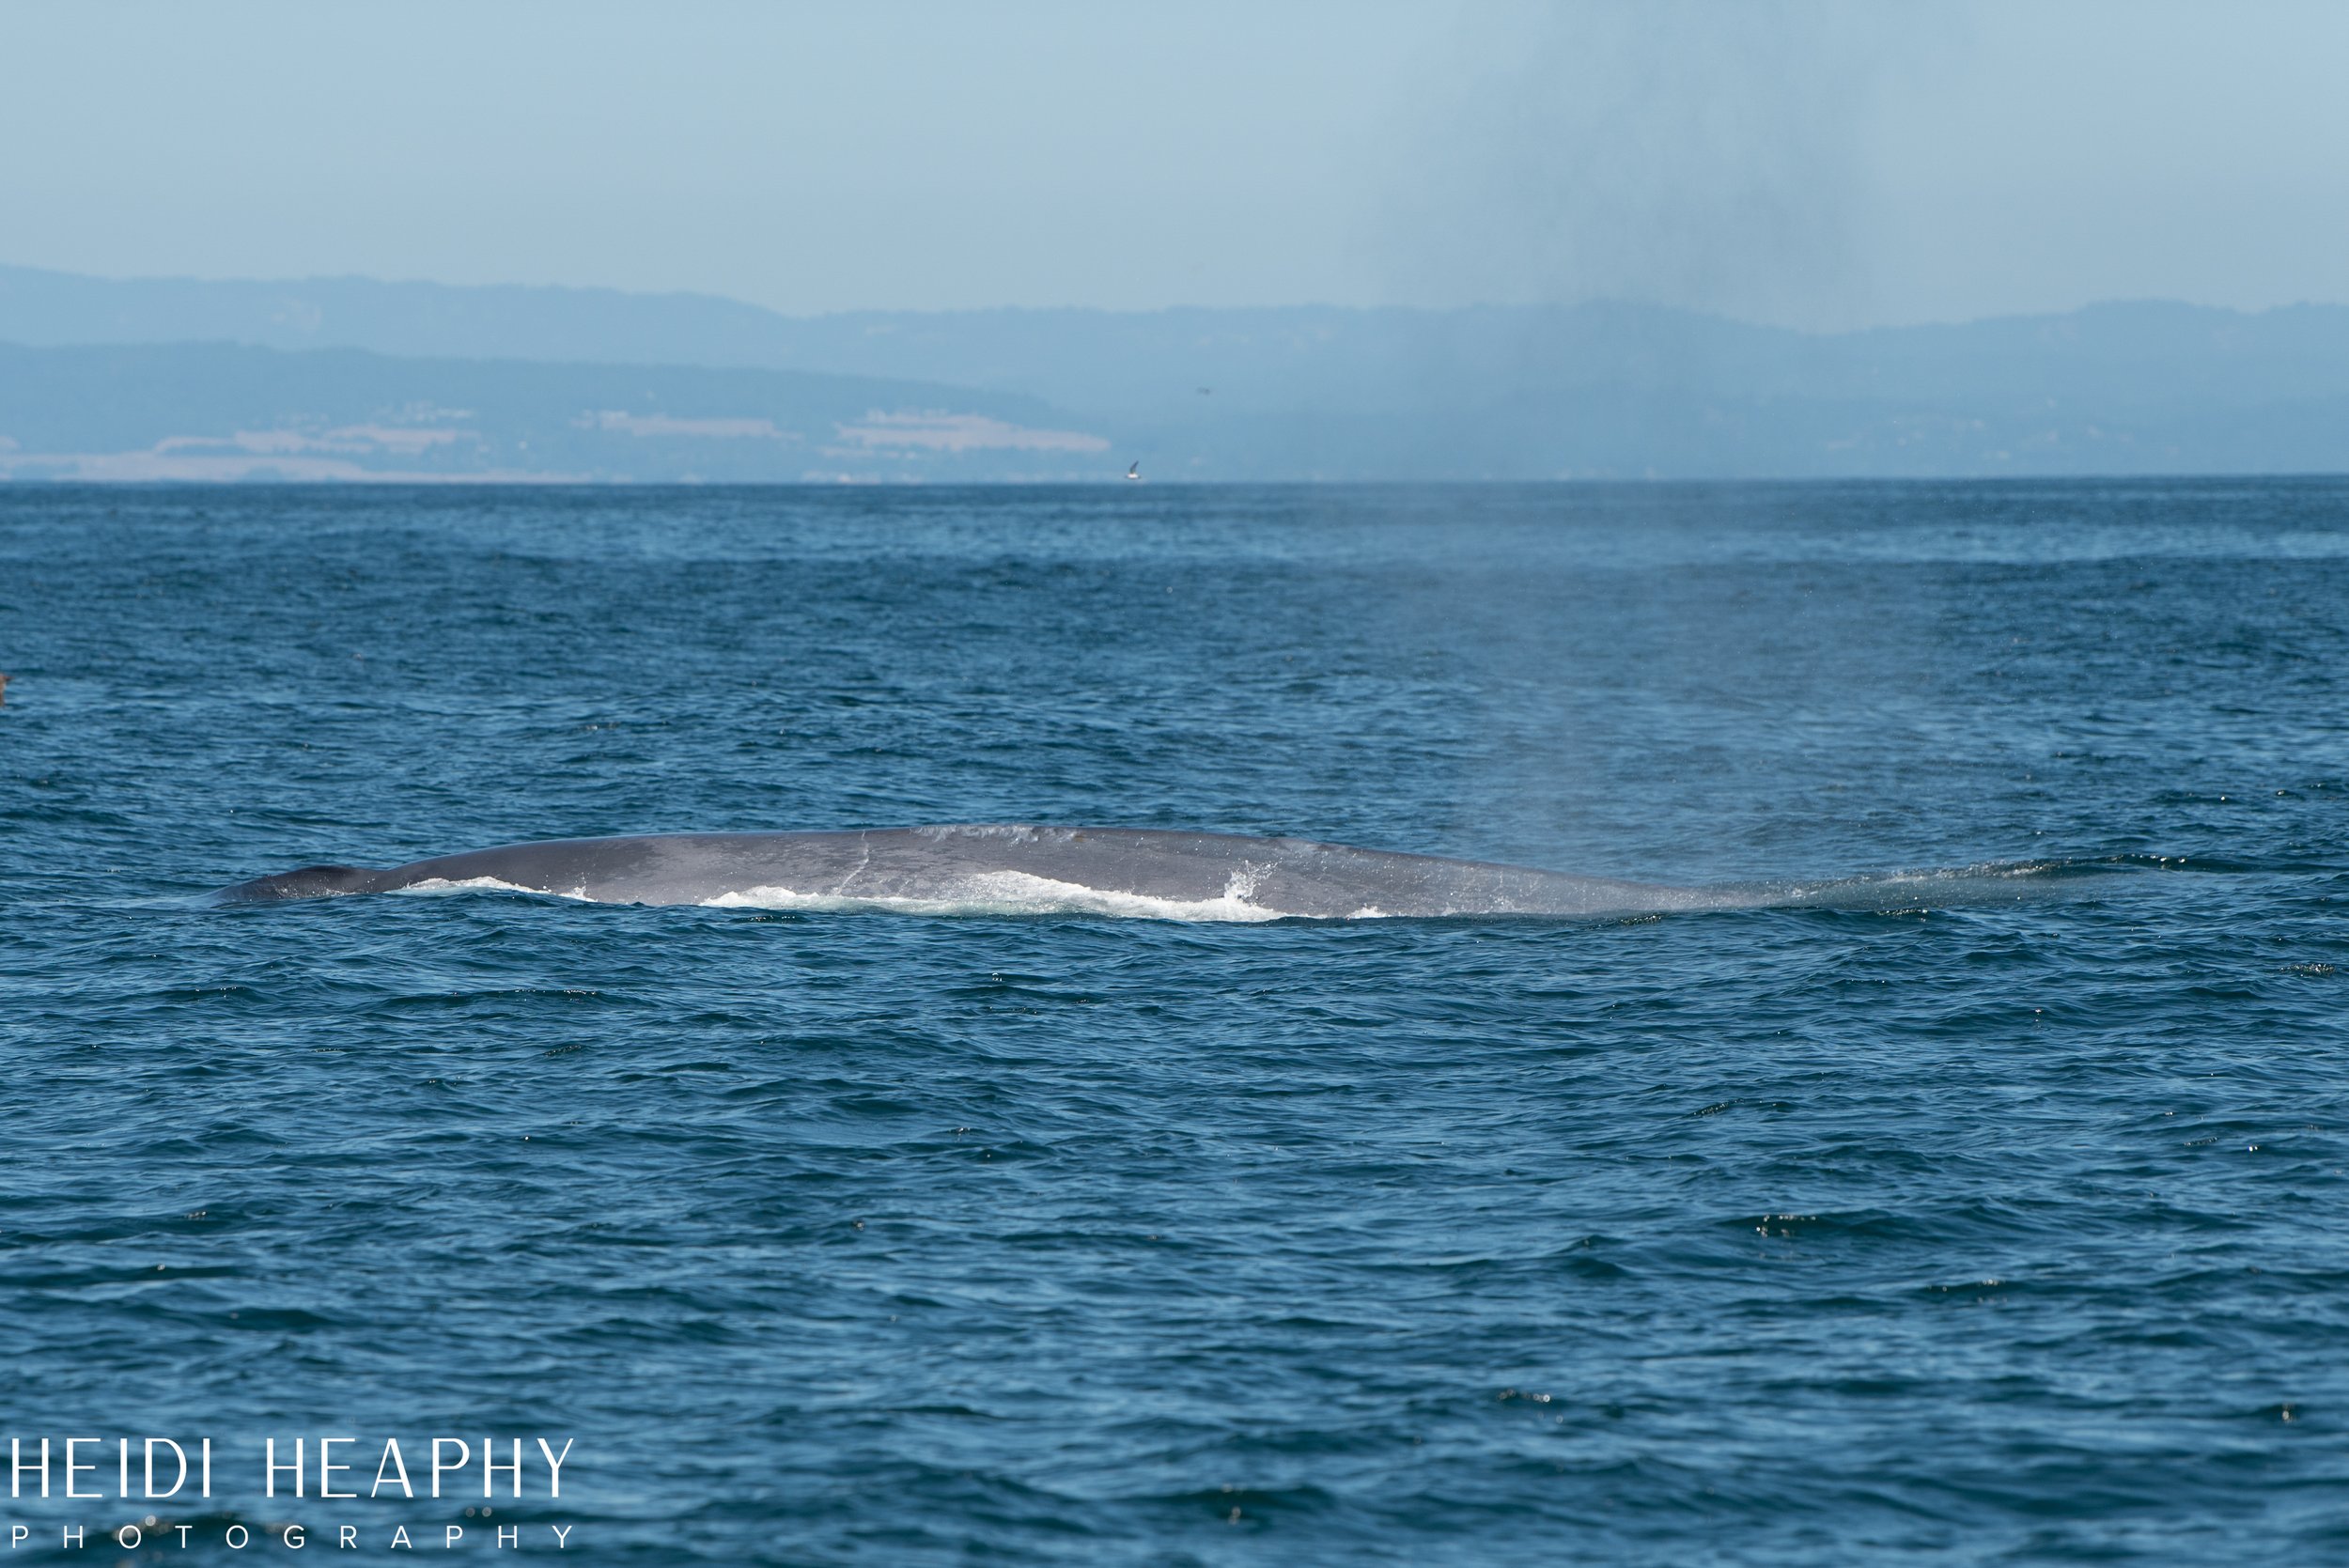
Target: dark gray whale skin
1237, 876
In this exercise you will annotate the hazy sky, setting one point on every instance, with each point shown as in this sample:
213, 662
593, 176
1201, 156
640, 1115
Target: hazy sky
1822, 163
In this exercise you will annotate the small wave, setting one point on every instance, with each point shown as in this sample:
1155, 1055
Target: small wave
433, 887
1017, 893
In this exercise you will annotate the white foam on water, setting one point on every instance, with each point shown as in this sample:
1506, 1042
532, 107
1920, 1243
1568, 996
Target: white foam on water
1016, 893
436, 886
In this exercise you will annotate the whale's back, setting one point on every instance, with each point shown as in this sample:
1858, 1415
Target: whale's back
1009, 868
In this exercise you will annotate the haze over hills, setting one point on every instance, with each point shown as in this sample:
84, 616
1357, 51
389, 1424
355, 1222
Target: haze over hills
271, 380
218, 410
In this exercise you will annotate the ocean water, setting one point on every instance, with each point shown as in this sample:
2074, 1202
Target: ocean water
2014, 1230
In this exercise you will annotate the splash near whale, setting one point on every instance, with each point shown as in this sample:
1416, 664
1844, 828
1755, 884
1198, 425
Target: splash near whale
1146, 873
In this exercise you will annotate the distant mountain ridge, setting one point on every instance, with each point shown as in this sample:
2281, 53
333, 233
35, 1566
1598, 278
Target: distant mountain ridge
1605, 390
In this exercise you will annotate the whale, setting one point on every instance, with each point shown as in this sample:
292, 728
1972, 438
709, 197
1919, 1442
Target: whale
1009, 868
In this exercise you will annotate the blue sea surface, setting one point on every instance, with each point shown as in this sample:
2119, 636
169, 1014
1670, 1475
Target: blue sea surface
2010, 1231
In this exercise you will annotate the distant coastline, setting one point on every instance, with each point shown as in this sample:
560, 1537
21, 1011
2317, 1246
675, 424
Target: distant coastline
354, 380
